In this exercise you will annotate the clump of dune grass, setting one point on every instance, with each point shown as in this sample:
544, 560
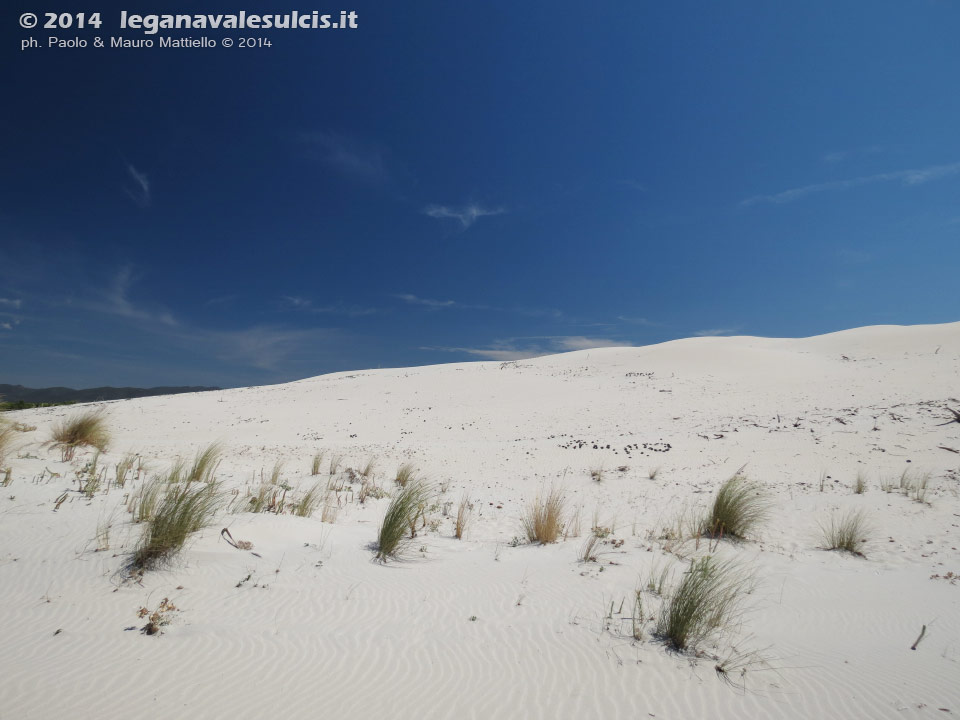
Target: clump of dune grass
860, 484
123, 469
88, 428
335, 460
143, 505
7, 435
184, 510
309, 501
653, 472
596, 473
316, 462
405, 473
707, 599
738, 508
7, 478
368, 468
402, 513
845, 532
543, 520
588, 552
275, 473
463, 517
268, 499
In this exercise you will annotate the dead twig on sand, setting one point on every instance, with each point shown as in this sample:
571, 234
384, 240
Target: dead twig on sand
956, 417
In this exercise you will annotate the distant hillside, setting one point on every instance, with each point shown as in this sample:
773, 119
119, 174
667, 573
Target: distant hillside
19, 393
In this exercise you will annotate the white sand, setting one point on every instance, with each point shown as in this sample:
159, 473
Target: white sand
321, 630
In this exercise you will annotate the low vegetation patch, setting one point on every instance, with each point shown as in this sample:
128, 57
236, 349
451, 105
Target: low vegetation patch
708, 598
738, 508
463, 517
183, 510
7, 435
543, 521
405, 473
846, 532
407, 505
87, 428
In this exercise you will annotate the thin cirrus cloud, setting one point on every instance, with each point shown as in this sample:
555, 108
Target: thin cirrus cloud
906, 177
716, 332
115, 300
306, 305
139, 189
348, 156
467, 215
11, 302
525, 348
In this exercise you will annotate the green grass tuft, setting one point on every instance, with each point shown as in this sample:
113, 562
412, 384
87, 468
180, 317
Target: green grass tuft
407, 504
707, 599
847, 533
184, 510
405, 473
738, 508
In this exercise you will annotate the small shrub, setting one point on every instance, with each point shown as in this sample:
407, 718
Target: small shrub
463, 517
543, 521
88, 428
708, 598
739, 506
402, 513
182, 512
405, 473
847, 532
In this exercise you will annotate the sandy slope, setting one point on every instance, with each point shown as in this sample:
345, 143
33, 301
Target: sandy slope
480, 628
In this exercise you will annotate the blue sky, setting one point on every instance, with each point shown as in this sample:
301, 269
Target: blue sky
466, 181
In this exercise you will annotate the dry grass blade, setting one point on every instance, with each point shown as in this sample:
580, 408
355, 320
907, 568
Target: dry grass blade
543, 522
739, 506
463, 517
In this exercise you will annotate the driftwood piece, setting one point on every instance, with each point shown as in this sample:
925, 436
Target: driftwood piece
923, 631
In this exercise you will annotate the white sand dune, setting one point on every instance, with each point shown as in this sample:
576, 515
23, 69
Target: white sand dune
479, 628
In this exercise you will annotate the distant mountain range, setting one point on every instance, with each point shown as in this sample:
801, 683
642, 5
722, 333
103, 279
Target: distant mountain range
19, 393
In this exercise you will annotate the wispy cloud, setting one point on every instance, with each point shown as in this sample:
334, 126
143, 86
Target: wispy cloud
524, 348
906, 177
426, 302
349, 156
636, 320
841, 155
139, 189
115, 301
467, 215
306, 305
11, 302
716, 332
6, 326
